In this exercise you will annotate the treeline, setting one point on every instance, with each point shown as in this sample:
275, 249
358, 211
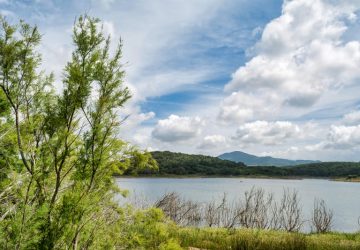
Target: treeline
327, 169
184, 164
171, 163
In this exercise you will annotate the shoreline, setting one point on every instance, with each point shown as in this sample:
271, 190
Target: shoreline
345, 179
222, 176
215, 176
337, 179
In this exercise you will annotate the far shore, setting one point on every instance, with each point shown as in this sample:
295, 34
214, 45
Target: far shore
346, 179
214, 176
339, 179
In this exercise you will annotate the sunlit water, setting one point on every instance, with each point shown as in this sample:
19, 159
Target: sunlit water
342, 197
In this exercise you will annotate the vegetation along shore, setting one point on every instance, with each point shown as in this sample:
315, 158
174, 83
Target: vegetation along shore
172, 164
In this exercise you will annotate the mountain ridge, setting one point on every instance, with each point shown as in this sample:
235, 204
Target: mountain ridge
253, 160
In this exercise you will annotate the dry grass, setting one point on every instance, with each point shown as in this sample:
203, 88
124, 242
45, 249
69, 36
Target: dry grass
248, 239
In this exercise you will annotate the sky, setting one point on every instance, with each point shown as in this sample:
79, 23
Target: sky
266, 77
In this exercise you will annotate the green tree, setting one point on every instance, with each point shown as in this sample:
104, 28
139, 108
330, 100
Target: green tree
59, 152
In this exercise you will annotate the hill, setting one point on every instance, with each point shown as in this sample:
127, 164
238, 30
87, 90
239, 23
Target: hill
253, 160
326, 169
180, 164
186, 164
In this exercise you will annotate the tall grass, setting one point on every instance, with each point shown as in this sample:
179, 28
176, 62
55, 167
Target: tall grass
254, 222
150, 229
253, 239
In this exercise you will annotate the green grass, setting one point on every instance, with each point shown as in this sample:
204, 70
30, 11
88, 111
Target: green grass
149, 229
246, 239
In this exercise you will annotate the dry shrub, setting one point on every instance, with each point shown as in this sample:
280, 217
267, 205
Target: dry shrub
322, 217
256, 209
290, 212
182, 212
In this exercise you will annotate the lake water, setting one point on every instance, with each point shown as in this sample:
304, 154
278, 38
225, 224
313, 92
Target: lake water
342, 197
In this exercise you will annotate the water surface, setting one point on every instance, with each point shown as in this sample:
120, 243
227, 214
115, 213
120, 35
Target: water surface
342, 197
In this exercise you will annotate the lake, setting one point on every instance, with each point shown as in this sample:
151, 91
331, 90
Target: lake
342, 197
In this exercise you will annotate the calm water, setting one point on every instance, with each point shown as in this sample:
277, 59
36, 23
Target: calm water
342, 197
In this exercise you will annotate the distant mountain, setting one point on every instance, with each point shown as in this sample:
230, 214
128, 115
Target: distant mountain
253, 160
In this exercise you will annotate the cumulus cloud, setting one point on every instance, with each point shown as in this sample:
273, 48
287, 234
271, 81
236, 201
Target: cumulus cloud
213, 141
339, 138
138, 118
241, 107
299, 57
268, 133
177, 128
343, 137
132, 109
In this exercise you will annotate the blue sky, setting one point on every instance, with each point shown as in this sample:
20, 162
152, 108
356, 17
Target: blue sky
266, 77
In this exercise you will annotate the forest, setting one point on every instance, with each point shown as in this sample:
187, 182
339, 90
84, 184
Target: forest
178, 164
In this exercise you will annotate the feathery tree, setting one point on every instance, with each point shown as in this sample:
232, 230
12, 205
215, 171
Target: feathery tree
59, 152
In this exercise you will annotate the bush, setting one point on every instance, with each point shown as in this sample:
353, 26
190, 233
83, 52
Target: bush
146, 229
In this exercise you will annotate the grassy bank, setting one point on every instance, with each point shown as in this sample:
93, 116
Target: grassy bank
150, 229
262, 239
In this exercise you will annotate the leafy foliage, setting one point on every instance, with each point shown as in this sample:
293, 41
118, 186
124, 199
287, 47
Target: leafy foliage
59, 152
147, 229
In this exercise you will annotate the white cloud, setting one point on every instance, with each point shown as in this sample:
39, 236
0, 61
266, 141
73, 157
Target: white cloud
142, 139
291, 151
177, 128
136, 118
343, 137
352, 118
338, 138
156, 35
241, 107
268, 133
213, 141
104, 3
169, 81
109, 29
300, 56
7, 13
